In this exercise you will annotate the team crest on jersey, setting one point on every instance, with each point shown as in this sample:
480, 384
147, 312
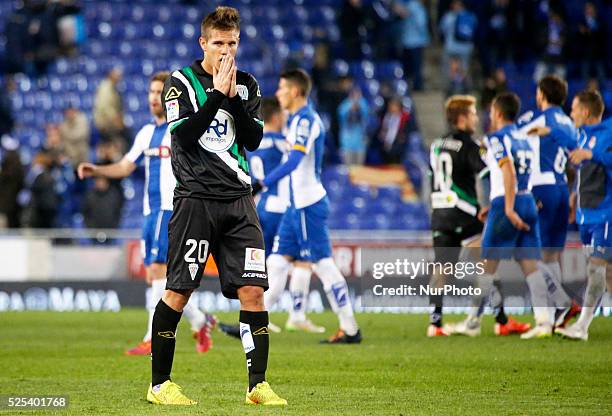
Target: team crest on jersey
592, 142
303, 128
496, 147
172, 110
221, 133
173, 94
193, 269
242, 91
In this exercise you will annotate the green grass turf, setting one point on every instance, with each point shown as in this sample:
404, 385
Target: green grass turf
396, 371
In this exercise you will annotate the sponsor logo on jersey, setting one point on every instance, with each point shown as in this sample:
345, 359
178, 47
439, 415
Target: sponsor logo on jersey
303, 128
193, 269
255, 259
161, 152
173, 94
496, 147
221, 133
172, 110
592, 142
242, 91
251, 275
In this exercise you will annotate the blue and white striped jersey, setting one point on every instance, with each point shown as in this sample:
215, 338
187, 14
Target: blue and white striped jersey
550, 151
306, 133
508, 145
152, 144
271, 153
594, 187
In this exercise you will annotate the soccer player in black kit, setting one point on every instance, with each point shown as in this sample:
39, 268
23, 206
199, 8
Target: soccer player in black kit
455, 162
213, 111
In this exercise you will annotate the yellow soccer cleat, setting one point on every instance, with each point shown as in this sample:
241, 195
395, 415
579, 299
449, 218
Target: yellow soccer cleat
262, 394
169, 393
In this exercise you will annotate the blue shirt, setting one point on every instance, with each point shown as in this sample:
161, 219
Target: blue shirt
508, 144
353, 124
415, 28
448, 28
594, 188
269, 155
550, 151
152, 145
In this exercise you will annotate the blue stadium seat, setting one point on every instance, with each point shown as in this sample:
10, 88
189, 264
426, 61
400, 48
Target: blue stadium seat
389, 70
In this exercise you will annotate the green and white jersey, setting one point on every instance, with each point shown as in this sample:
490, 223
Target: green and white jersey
214, 167
455, 161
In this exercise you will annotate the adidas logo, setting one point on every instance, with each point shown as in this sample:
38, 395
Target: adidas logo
193, 270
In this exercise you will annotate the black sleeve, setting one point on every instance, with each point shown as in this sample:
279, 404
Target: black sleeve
187, 124
247, 116
189, 132
475, 158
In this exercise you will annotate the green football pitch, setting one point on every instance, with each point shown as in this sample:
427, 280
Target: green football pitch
396, 371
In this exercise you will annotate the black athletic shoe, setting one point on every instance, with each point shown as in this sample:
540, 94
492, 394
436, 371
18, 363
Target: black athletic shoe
231, 330
341, 338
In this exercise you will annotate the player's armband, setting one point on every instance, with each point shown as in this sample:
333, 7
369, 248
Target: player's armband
299, 147
503, 161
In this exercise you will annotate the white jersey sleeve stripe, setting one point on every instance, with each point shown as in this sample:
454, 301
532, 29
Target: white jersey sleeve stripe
190, 91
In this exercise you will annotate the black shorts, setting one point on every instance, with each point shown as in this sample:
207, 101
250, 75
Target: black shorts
229, 230
447, 242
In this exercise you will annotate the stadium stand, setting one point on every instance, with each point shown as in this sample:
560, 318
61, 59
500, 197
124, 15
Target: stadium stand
143, 37
121, 34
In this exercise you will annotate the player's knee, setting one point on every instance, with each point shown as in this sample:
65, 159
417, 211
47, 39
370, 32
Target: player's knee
551, 256
328, 272
528, 266
157, 271
177, 299
302, 265
437, 279
251, 298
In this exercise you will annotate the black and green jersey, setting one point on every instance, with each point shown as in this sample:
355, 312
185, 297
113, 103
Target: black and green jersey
210, 132
455, 161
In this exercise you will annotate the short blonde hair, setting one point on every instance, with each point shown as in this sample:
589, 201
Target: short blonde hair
458, 105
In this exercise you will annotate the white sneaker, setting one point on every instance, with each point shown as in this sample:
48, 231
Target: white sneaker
573, 332
469, 327
274, 328
304, 326
538, 331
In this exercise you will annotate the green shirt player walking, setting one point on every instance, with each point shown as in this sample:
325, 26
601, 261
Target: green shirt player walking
214, 114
